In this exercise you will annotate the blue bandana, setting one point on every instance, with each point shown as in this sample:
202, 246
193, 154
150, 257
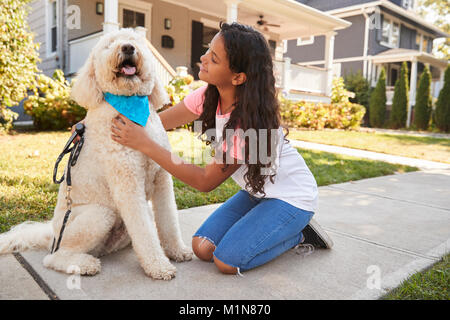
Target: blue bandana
135, 108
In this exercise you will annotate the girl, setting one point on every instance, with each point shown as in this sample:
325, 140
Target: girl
272, 213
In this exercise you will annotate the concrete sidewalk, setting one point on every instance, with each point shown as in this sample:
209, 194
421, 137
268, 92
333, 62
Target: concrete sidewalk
422, 164
390, 226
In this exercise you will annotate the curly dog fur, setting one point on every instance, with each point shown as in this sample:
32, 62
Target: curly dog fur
112, 183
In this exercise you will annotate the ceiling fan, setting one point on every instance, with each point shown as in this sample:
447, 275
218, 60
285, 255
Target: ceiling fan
263, 23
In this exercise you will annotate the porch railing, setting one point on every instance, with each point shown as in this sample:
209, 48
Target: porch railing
300, 78
79, 50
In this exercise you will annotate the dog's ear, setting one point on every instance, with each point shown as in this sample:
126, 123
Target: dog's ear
85, 90
159, 96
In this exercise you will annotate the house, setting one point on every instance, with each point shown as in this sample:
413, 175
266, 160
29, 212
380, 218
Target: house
180, 32
383, 34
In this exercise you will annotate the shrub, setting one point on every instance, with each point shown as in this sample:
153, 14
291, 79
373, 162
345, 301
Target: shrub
321, 115
51, 107
338, 92
400, 101
178, 88
377, 102
442, 113
18, 58
423, 101
355, 82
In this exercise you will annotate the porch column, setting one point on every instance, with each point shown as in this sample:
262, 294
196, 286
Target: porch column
286, 78
329, 56
412, 90
111, 22
232, 10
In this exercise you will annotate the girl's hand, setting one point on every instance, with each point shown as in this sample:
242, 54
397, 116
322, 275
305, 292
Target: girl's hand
128, 133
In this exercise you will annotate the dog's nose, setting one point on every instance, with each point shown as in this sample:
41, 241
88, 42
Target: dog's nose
128, 49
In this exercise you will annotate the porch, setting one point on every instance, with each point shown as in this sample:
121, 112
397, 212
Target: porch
190, 25
392, 59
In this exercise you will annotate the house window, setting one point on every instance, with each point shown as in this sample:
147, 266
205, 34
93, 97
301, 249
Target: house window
133, 19
390, 35
53, 25
303, 41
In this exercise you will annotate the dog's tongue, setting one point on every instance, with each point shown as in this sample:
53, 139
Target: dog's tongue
128, 70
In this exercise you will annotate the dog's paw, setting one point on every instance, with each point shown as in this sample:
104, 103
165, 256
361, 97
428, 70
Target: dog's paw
180, 254
80, 263
160, 270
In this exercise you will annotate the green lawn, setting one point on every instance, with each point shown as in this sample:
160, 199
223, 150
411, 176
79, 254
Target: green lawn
430, 284
427, 148
27, 191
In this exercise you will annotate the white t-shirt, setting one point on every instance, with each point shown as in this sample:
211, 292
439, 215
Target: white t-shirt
293, 182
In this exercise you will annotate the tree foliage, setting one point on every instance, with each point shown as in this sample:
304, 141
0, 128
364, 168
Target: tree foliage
398, 115
18, 58
377, 102
422, 108
442, 114
439, 12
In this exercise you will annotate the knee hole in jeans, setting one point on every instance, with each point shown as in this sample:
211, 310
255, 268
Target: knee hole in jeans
203, 248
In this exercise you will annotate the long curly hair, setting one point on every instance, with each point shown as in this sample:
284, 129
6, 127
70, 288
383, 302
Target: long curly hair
257, 103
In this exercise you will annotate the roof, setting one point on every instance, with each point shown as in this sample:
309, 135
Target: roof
401, 54
295, 19
411, 15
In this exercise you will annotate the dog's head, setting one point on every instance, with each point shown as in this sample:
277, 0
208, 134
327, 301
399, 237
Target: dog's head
120, 63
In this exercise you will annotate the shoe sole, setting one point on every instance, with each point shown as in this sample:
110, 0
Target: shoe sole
315, 235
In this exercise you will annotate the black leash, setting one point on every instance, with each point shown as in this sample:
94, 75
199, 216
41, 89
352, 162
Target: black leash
73, 157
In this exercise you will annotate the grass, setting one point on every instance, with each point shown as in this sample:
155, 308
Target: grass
27, 191
429, 284
427, 148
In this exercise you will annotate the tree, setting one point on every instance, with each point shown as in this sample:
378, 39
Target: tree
423, 101
438, 13
442, 113
18, 58
377, 102
355, 82
397, 118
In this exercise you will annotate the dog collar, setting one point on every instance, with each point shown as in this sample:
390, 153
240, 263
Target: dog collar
135, 107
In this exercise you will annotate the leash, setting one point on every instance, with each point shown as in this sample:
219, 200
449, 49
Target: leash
73, 157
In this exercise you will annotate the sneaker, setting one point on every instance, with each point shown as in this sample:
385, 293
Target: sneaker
315, 235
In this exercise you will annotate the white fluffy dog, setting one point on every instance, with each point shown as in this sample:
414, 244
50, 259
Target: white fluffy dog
112, 183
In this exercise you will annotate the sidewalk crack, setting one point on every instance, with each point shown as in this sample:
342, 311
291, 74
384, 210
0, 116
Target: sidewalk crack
40, 282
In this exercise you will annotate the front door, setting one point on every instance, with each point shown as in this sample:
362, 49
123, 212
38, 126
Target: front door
201, 37
393, 74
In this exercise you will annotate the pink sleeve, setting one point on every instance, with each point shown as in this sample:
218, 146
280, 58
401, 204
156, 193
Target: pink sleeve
194, 100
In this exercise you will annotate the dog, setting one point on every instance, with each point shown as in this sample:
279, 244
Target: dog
111, 183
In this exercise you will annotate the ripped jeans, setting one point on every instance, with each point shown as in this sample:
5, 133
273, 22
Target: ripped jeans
248, 232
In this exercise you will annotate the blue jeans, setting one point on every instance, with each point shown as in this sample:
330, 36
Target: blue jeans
249, 232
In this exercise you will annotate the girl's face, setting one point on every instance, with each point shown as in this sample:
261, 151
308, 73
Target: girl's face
215, 67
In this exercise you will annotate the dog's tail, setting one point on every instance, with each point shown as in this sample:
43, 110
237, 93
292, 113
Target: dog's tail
27, 235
